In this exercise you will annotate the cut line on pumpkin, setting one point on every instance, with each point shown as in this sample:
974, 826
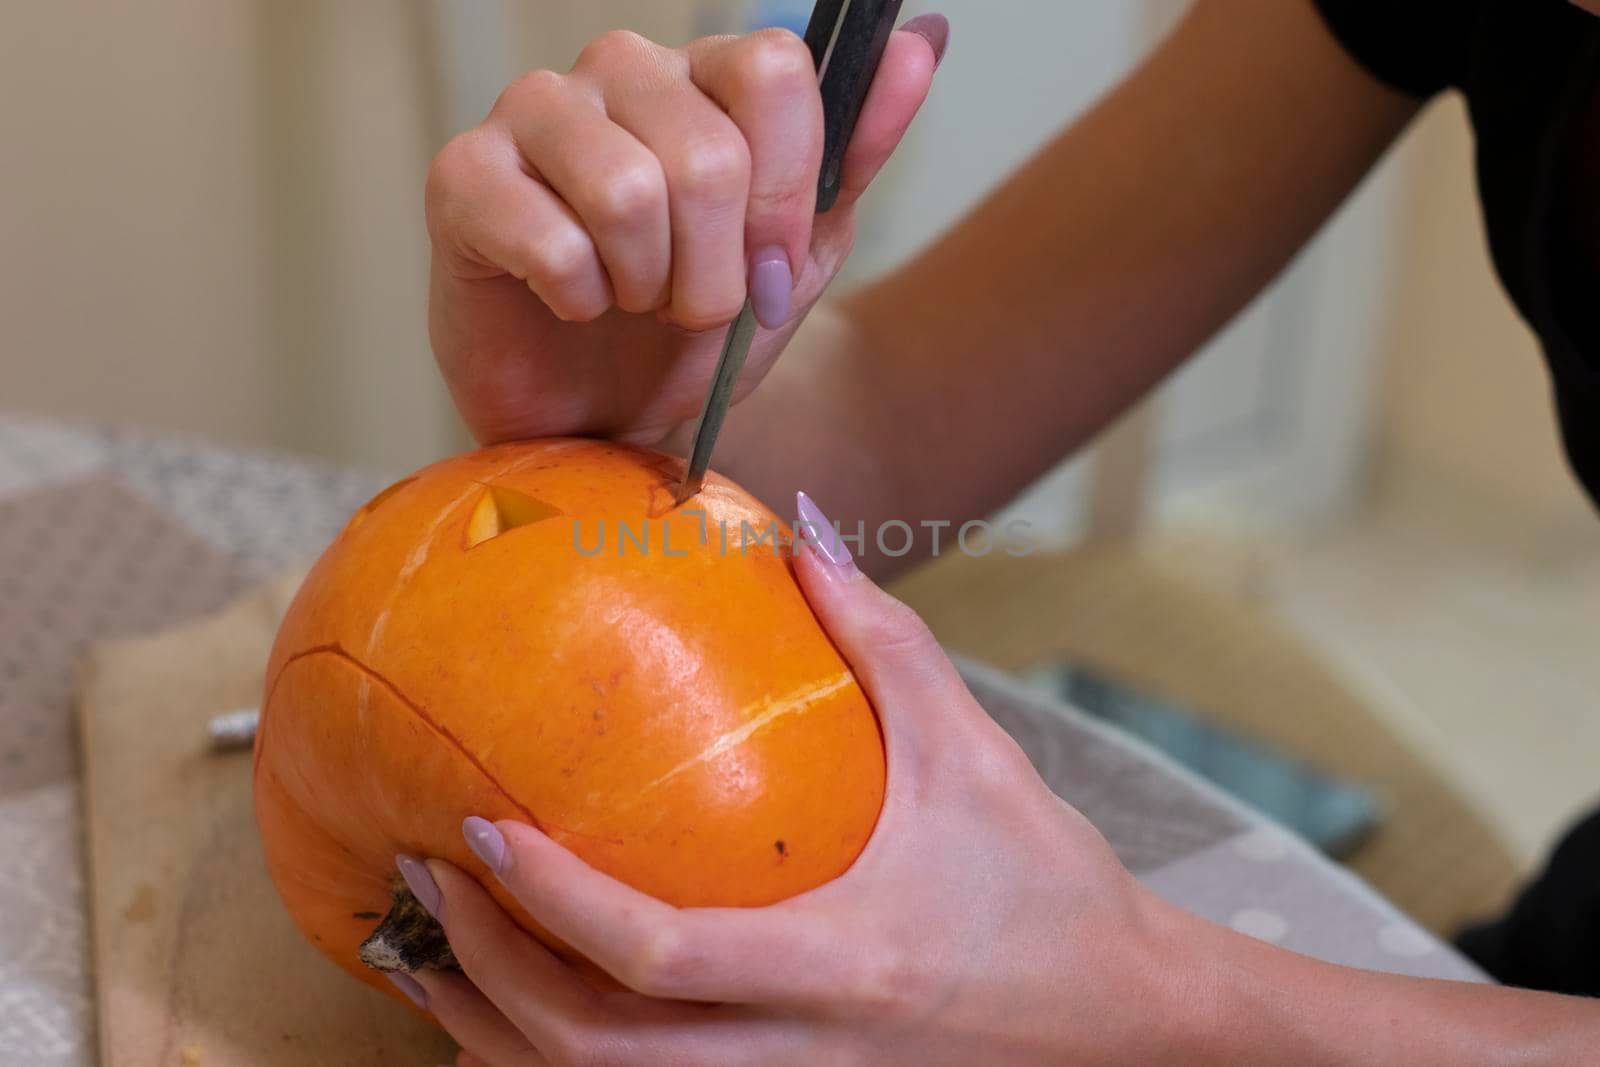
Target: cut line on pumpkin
771, 709
372, 505
414, 562
500, 510
428, 720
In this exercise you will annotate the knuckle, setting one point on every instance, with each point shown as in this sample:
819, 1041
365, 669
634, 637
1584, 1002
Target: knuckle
708, 314
562, 260
577, 308
528, 91
716, 168
453, 172
792, 196
998, 763
892, 985
581, 314
773, 61
613, 48
642, 294
630, 195
454, 161
896, 631
562, 271
661, 964
472, 956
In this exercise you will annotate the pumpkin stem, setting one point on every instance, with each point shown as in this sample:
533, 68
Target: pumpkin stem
408, 939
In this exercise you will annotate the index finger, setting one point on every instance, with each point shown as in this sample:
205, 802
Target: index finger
715, 955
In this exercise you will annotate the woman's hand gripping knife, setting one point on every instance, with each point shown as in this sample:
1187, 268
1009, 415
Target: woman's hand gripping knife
593, 234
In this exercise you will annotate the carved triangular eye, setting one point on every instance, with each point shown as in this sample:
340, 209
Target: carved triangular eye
372, 505
500, 510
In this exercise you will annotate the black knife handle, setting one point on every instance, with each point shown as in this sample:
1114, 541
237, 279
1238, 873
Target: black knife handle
853, 64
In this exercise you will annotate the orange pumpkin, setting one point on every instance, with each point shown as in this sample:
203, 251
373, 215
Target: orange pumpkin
535, 632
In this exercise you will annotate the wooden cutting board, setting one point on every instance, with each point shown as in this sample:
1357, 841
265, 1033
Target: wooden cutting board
196, 962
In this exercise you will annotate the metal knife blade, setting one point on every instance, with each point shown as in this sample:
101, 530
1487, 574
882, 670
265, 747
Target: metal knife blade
735, 350
847, 39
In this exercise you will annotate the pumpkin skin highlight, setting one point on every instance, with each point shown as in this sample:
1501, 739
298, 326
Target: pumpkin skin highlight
674, 715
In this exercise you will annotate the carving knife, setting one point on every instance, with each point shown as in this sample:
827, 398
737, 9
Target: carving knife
847, 39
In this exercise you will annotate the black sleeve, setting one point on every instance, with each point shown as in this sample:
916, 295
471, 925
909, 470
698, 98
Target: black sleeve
1416, 46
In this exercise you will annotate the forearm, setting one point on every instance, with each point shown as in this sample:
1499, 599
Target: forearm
1245, 1002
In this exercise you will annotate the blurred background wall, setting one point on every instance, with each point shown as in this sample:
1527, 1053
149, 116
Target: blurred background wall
135, 282
1463, 396
212, 221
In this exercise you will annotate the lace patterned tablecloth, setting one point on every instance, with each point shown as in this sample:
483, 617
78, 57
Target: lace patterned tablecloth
107, 533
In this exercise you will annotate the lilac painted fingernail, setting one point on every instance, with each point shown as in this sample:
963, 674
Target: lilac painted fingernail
409, 986
935, 29
486, 842
815, 530
771, 287
420, 882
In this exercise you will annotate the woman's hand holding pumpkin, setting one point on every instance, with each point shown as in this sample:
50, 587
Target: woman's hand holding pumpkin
985, 923
985, 920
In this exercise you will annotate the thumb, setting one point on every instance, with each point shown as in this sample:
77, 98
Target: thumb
898, 91
911, 682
